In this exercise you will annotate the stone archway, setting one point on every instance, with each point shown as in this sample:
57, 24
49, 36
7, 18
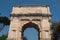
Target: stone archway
31, 25
30, 15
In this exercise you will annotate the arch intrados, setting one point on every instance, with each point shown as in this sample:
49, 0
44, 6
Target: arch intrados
30, 25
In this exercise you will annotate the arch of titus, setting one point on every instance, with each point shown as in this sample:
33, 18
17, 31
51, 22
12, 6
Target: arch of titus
26, 16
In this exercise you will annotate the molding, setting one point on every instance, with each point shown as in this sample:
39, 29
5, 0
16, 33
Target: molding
31, 5
30, 15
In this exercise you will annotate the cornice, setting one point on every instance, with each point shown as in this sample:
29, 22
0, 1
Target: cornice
31, 15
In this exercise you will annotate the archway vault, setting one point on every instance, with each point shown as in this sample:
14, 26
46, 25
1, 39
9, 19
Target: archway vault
31, 25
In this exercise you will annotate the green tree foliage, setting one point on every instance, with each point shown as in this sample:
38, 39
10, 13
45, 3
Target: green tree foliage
3, 37
24, 38
55, 30
5, 21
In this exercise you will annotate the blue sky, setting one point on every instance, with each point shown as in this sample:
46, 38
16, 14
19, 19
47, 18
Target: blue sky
6, 8
31, 34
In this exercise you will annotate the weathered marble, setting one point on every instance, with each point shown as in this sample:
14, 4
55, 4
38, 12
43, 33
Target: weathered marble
36, 16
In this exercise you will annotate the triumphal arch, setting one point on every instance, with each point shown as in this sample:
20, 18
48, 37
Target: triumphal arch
27, 16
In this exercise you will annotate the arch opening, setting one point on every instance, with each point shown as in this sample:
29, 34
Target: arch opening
31, 25
30, 34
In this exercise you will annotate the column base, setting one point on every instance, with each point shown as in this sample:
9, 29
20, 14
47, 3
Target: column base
13, 39
45, 39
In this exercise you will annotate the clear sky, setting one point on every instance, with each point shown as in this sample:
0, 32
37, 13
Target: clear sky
31, 34
6, 8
